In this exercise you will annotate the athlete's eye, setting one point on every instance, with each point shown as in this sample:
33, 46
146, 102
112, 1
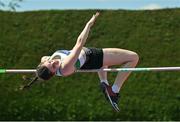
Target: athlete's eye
49, 61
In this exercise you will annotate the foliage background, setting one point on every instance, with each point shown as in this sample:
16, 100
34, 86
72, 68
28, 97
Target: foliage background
154, 35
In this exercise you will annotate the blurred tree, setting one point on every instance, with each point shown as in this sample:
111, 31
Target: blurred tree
11, 4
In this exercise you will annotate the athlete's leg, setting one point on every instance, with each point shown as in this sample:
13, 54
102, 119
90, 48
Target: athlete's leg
103, 76
115, 56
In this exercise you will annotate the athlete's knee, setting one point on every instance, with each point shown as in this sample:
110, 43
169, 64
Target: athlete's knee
135, 57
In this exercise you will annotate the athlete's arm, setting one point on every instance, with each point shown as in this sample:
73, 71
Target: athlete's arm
70, 61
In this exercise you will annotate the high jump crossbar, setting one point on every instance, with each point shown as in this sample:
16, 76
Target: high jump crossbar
3, 71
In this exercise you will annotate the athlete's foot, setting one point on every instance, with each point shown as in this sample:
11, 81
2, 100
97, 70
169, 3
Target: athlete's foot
110, 95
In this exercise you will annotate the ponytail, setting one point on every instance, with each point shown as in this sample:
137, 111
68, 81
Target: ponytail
42, 73
33, 80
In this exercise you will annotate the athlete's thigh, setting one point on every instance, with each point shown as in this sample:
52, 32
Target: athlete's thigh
117, 56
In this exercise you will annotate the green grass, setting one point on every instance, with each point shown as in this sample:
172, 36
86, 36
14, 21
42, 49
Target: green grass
154, 35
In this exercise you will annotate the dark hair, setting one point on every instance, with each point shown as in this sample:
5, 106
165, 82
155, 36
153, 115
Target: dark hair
32, 81
44, 73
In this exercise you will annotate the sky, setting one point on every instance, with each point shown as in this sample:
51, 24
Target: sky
29, 5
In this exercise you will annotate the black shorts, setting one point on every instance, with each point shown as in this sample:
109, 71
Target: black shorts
94, 58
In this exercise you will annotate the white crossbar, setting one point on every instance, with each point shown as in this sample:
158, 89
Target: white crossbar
97, 70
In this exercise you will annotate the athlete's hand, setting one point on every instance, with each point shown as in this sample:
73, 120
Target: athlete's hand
93, 19
45, 58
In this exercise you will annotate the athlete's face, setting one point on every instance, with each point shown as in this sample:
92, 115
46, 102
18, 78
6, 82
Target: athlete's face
52, 65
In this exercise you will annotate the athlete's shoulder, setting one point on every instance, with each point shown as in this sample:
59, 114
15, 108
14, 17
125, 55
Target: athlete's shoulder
67, 52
